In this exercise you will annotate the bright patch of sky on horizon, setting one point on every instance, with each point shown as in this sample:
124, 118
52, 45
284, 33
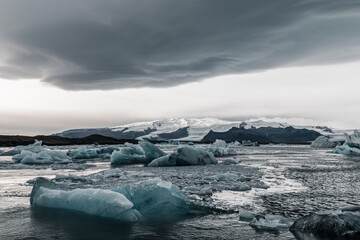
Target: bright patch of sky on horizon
317, 95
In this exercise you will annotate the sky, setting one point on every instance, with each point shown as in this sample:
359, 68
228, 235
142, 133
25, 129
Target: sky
92, 63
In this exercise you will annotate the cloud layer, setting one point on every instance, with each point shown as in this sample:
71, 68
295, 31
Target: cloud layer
95, 44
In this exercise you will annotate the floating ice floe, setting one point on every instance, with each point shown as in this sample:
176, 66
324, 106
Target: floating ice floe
351, 145
185, 155
335, 224
153, 198
245, 215
220, 148
143, 153
98, 202
323, 142
35, 148
271, 222
43, 157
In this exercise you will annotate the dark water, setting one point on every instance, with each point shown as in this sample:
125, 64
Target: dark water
301, 180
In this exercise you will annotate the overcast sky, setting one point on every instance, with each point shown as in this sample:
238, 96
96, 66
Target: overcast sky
93, 63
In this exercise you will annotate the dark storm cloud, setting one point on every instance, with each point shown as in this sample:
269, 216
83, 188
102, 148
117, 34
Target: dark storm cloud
95, 44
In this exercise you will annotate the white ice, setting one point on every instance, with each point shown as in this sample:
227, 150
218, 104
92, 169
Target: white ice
220, 148
323, 142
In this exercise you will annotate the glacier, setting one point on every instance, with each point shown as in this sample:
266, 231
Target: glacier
185, 155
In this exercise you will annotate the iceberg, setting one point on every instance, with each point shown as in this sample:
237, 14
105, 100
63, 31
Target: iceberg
151, 152
323, 142
156, 198
271, 223
35, 148
336, 224
98, 202
351, 145
220, 148
143, 153
82, 153
346, 150
185, 155
43, 157
150, 199
353, 140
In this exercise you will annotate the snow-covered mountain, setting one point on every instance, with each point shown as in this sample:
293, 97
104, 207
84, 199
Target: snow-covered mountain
189, 129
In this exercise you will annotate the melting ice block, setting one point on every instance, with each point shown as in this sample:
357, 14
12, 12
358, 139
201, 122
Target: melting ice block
185, 155
98, 202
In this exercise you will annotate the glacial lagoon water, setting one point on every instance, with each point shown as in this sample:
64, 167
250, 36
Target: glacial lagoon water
301, 180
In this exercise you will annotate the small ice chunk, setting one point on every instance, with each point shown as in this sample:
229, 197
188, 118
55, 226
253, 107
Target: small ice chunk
271, 222
245, 215
229, 161
222, 177
70, 177
241, 187
199, 191
185, 155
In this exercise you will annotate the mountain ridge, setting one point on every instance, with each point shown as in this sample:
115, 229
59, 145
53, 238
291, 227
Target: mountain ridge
183, 129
